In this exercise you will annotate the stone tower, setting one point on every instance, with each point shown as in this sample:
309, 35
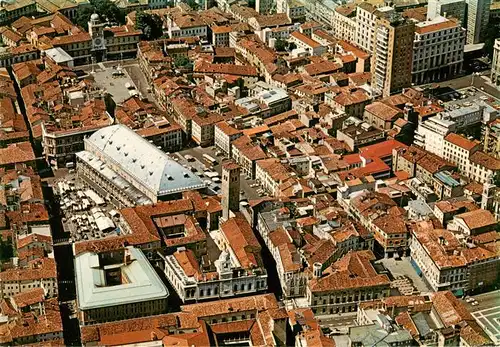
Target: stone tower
230, 188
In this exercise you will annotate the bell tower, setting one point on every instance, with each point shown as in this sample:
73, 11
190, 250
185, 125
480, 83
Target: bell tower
96, 31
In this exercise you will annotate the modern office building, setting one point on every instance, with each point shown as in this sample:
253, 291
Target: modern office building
478, 13
126, 168
392, 54
116, 285
448, 8
438, 49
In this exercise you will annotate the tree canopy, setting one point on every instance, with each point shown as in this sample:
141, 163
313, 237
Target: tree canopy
181, 61
150, 24
280, 45
106, 10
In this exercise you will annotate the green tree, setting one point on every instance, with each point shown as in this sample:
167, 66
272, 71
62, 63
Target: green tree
181, 61
107, 11
150, 24
280, 45
6, 251
292, 46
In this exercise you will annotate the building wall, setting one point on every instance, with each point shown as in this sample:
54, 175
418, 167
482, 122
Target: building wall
120, 312
450, 278
495, 66
10, 288
346, 300
344, 27
393, 55
365, 29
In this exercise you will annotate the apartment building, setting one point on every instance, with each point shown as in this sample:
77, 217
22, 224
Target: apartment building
382, 116
12, 10
254, 320
483, 167
220, 35
491, 138
458, 149
291, 272
31, 319
438, 50
266, 102
393, 54
349, 281
430, 133
78, 46
62, 140
181, 24
294, 9
478, 13
447, 263
15, 154
366, 18
246, 153
225, 134
21, 53
306, 43
449, 8
495, 64
271, 173
344, 22
39, 273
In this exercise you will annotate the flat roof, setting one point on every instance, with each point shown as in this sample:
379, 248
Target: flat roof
144, 284
58, 55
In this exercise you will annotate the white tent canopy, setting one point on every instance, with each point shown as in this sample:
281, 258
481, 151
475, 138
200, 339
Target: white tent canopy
94, 197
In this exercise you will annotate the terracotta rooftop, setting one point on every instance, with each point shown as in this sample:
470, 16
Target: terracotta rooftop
21, 152
478, 219
485, 160
383, 111
242, 240
461, 141
354, 270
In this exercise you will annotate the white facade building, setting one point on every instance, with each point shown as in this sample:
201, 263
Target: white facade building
224, 135
192, 285
366, 20
344, 23
438, 50
430, 134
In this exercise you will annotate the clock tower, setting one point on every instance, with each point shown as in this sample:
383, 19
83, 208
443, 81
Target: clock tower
96, 31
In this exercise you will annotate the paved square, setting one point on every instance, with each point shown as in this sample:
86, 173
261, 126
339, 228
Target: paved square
489, 319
